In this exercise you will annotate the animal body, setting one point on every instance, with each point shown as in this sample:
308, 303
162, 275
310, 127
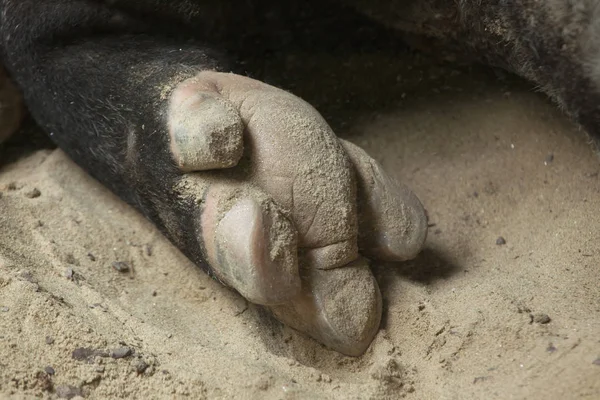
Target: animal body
151, 98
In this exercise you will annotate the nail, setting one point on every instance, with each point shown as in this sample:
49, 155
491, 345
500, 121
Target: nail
256, 252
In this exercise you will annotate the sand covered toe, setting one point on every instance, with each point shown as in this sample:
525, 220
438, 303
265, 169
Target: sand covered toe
339, 307
250, 244
206, 132
392, 220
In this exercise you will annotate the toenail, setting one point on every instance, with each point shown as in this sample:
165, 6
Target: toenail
256, 253
206, 132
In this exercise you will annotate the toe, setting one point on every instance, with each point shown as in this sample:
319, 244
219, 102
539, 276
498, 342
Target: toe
206, 132
392, 220
250, 244
340, 308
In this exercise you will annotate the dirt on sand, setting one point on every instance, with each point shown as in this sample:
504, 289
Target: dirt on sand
473, 317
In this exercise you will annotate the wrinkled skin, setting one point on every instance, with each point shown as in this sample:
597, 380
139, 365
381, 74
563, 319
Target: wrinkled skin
248, 180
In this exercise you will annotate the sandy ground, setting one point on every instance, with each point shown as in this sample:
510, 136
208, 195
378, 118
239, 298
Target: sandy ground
469, 319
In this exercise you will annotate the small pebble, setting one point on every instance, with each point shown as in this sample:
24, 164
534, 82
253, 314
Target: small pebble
69, 273
154, 293
32, 194
44, 382
549, 159
541, 318
49, 370
82, 353
596, 361
551, 348
4, 309
100, 368
500, 241
49, 340
91, 257
120, 352
120, 266
141, 366
68, 391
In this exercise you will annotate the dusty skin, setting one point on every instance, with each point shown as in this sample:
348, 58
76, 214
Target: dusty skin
283, 225
468, 319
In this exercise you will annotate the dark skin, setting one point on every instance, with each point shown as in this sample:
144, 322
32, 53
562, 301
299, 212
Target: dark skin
150, 97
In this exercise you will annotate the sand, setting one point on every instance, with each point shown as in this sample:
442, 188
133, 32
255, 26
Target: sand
468, 319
